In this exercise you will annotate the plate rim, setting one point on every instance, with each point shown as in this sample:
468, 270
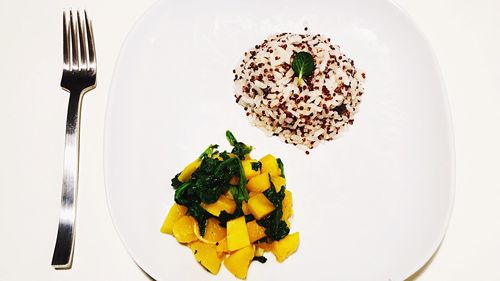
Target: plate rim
434, 249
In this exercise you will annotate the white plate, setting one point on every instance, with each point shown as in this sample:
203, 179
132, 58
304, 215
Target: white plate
373, 205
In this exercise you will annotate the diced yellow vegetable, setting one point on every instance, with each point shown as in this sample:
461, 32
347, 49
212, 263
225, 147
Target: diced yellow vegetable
189, 170
234, 180
267, 247
255, 231
259, 183
252, 193
222, 204
287, 205
184, 229
237, 234
285, 247
247, 168
221, 247
244, 207
229, 194
247, 156
270, 165
237, 263
213, 231
260, 206
206, 255
176, 212
278, 182
259, 252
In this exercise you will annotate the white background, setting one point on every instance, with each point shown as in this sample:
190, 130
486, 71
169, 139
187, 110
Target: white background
463, 33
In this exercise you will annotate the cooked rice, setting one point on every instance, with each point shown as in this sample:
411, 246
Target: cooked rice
325, 103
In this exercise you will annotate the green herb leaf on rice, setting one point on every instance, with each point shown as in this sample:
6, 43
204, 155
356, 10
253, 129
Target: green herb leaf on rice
303, 65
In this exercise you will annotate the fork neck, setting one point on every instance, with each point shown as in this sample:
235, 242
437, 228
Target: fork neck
74, 108
76, 89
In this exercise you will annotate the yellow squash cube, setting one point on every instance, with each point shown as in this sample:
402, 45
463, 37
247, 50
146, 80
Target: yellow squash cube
213, 232
221, 247
252, 193
288, 223
229, 194
206, 255
237, 234
270, 165
184, 229
237, 263
260, 206
259, 183
278, 182
267, 247
259, 252
247, 168
287, 205
189, 170
255, 231
176, 212
285, 247
244, 208
222, 204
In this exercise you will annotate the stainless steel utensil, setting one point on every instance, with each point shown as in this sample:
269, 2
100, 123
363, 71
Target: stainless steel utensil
79, 77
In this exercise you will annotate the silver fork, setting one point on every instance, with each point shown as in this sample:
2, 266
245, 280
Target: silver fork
79, 77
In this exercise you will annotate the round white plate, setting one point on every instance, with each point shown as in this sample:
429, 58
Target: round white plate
372, 205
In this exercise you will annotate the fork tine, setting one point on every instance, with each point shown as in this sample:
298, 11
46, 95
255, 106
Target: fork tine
83, 49
74, 42
66, 54
90, 41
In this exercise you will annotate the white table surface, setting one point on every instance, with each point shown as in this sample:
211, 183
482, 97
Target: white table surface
465, 37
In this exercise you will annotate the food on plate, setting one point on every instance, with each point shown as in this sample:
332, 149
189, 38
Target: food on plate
230, 209
299, 87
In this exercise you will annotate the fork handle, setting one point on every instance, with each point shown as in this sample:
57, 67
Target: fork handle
63, 251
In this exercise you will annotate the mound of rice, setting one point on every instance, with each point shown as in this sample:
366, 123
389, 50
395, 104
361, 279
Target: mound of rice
318, 110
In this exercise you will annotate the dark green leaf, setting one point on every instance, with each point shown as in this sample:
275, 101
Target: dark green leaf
249, 218
181, 194
230, 138
224, 216
209, 151
303, 65
275, 197
238, 196
239, 149
200, 215
242, 182
256, 166
260, 259
276, 229
211, 179
281, 166
224, 155
176, 182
